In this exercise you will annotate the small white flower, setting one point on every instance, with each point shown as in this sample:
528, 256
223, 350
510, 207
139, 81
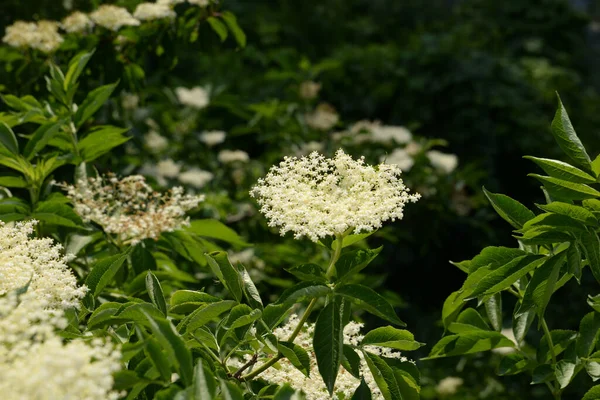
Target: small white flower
309, 89
316, 196
130, 101
155, 142
443, 162
168, 168
113, 17
212, 138
151, 11
196, 97
77, 22
449, 385
231, 156
399, 157
200, 3
42, 36
195, 177
323, 118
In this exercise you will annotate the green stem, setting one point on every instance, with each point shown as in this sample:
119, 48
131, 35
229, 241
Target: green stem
279, 356
555, 389
337, 251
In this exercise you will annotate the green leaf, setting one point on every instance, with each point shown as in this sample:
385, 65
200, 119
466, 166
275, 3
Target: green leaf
596, 165
393, 338
542, 285
303, 291
509, 209
13, 181
522, 322
297, 356
238, 33
561, 339
592, 394
567, 139
562, 170
103, 315
227, 274
215, 229
468, 320
8, 139
502, 278
565, 190
76, 67
230, 391
591, 246
308, 272
574, 260
352, 262
371, 301
351, 239
542, 373
513, 364
100, 141
158, 358
593, 369
156, 293
589, 331
551, 222
56, 213
205, 386
383, 376
219, 27
184, 301
286, 392
170, 340
351, 361
362, 392
103, 272
328, 341
205, 314
250, 290
41, 137
493, 309
469, 342
575, 212
564, 371
92, 103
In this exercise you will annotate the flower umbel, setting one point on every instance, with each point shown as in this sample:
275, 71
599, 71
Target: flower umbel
316, 196
129, 208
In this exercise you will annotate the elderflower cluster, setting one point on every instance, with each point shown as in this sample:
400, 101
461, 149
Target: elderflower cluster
316, 196
196, 97
322, 118
151, 11
38, 264
113, 17
313, 385
41, 36
129, 208
77, 22
36, 363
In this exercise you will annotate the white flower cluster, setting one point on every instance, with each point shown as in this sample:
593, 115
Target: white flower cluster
309, 89
195, 177
316, 196
36, 287
42, 36
313, 385
35, 362
367, 131
322, 118
77, 22
212, 138
196, 97
113, 17
232, 156
151, 11
129, 208
37, 263
449, 385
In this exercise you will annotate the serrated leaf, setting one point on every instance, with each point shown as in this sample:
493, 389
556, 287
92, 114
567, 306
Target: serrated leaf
76, 67
469, 342
103, 272
589, 331
303, 291
155, 292
296, 355
205, 386
230, 391
238, 33
567, 139
351, 361
561, 339
184, 301
562, 170
41, 137
509, 209
564, 371
219, 27
308, 272
215, 229
227, 274
383, 376
8, 139
566, 190
158, 358
371, 301
92, 103
352, 262
542, 285
100, 141
362, 392
513, 364
468, 320
591, 246
250, 290
393, 338
328, 341
170, 340
576, 212
592, 394
493, 309
205, 314
56, 213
